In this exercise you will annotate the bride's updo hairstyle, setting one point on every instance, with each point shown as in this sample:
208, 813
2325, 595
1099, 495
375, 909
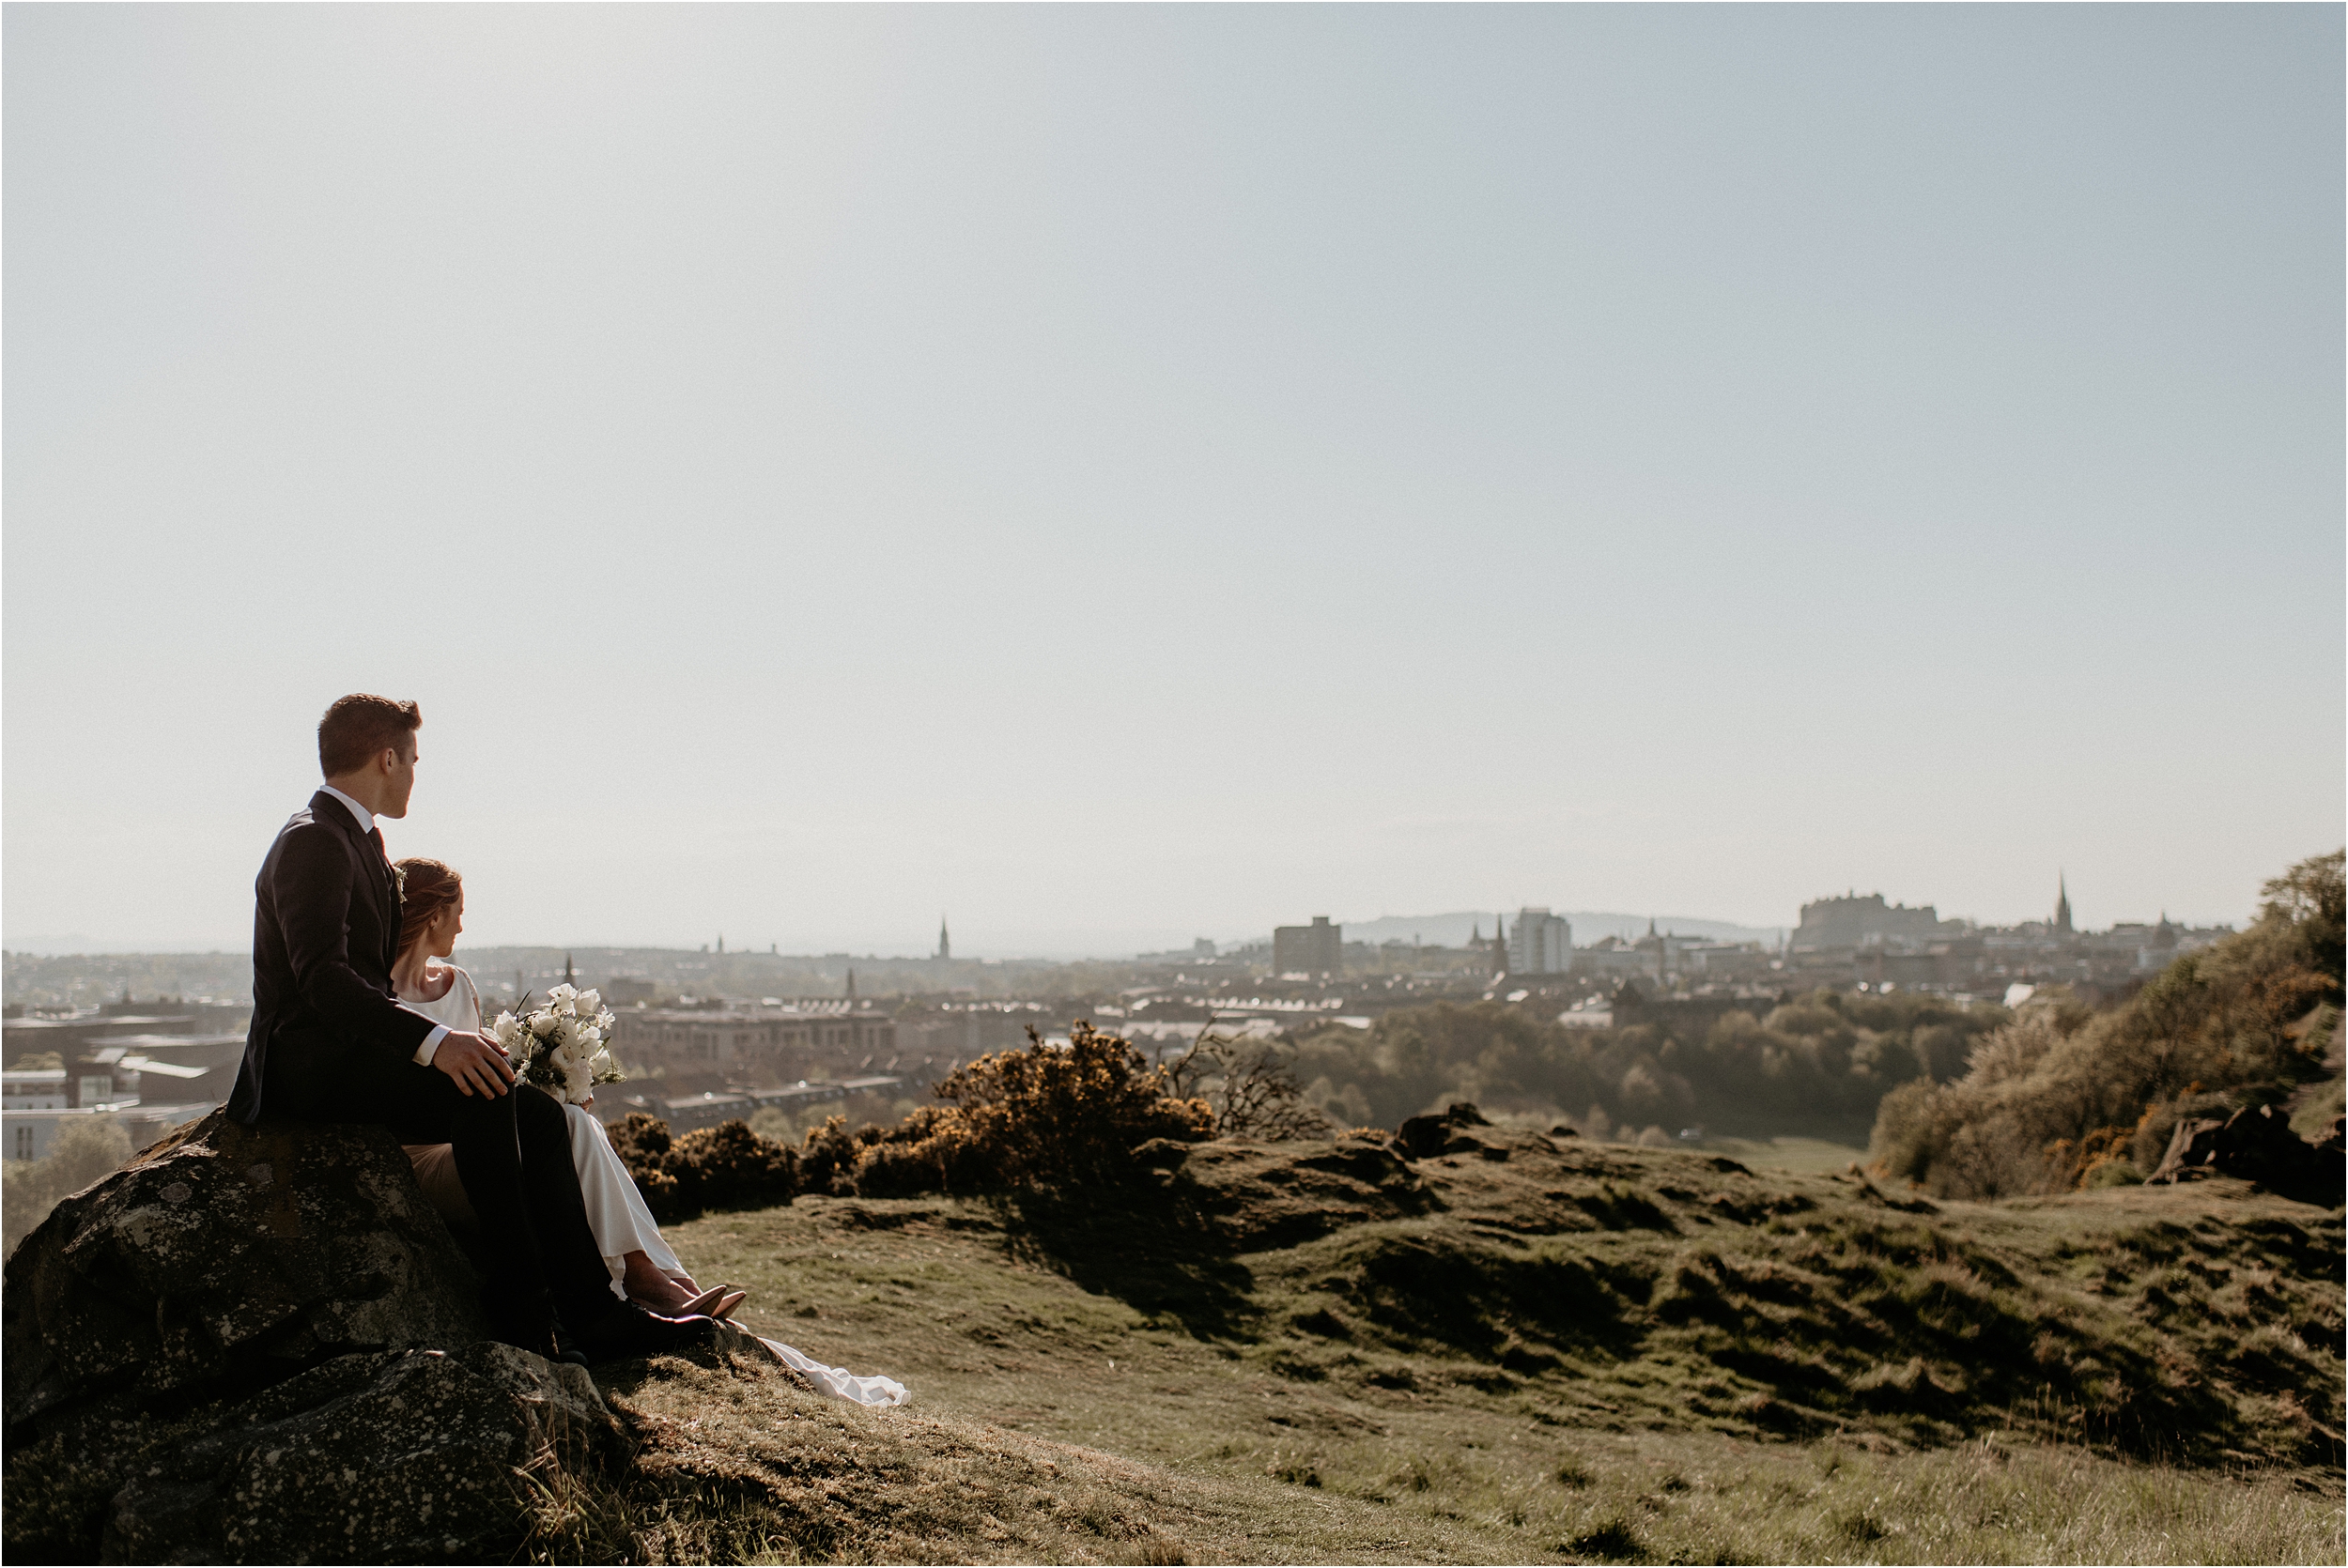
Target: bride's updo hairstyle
428, 890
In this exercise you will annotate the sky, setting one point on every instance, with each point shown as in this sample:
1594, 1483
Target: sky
1112, 476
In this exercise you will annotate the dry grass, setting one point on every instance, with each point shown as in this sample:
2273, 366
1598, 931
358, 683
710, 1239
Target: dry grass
1535, 1352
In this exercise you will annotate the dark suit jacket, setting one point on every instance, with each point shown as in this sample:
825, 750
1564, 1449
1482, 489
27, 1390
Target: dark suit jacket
325, 934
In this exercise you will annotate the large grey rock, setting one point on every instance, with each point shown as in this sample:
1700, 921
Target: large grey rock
264, 1347
391, 1457
2257, 1145
224, 1259
1438, 1132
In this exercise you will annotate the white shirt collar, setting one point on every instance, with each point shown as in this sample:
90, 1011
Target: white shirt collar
366, 818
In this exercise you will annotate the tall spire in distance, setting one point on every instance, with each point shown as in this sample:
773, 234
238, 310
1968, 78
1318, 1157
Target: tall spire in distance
945, 944
2062, 905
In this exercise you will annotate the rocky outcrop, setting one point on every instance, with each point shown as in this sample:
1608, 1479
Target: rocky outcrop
1445, 1132
225, 1260
2257, 1145
265, 1345
393, 1457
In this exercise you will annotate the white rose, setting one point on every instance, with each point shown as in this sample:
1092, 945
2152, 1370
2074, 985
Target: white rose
560, 991
590, 1037
508, 1029
544, 1024
604, 1020
590, 1003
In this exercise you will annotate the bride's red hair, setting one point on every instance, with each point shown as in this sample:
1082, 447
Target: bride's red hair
428, 890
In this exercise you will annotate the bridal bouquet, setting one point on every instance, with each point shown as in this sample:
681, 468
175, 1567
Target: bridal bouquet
558, 1045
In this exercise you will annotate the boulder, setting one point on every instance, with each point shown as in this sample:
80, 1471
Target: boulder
265, 1345
397, 1457
1422, 1137
225, 1259
2257, 1145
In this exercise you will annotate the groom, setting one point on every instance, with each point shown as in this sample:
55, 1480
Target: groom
331, 1043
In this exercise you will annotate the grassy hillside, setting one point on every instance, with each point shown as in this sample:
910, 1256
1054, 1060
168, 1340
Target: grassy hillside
1526, 1348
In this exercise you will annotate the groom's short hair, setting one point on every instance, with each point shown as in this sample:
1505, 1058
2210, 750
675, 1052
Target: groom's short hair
357, 727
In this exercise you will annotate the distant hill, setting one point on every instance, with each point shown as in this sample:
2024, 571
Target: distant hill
1450, 931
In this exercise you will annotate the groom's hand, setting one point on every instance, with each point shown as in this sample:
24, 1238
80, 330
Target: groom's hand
475, 1062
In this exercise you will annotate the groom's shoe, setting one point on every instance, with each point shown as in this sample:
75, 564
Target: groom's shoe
537, 1333
564, 1350
628, 1331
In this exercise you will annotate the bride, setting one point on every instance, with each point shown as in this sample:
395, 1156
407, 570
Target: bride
643, 1269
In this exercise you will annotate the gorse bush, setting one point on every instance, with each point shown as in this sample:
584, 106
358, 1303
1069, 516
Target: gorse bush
2064, 1098
1042, 1117
726, 1166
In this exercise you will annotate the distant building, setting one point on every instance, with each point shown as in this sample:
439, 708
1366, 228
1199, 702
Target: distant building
945, 944
804, 1031
1612, 957
1542, 943
1315, 949
1854, 921
29, 1134
623, 990
34, 1090
2063, 906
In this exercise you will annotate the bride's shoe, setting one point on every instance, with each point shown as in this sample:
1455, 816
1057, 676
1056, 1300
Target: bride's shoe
708, 1301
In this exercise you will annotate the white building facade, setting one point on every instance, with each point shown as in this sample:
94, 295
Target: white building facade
1540, 943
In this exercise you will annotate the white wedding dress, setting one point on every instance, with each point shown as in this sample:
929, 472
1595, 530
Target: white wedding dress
615, 1211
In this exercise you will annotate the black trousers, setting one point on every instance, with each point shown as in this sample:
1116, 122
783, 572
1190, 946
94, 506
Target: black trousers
513, 1154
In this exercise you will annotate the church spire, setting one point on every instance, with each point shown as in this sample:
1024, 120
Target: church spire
945, 944
2062, 905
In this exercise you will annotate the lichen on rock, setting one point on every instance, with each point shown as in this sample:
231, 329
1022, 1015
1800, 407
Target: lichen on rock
265, 1345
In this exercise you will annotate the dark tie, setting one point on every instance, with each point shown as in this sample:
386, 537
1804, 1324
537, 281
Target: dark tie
375, 836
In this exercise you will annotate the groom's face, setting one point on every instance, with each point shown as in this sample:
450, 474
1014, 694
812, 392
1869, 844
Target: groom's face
400, 780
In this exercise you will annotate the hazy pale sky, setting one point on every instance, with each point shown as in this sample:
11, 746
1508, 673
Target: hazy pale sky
1120, 474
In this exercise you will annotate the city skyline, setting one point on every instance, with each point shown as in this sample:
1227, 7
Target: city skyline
1447, 928
1121, 475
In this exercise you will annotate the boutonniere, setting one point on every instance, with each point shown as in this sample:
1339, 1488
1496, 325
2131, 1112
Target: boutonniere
399, 882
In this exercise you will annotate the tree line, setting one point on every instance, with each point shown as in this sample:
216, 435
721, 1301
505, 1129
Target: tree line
1816, 1065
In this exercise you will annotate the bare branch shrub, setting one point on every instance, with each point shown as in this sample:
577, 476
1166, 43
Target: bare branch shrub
1251, 1087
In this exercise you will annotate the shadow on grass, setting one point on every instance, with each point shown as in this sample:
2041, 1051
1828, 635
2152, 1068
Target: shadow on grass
1153, 1248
